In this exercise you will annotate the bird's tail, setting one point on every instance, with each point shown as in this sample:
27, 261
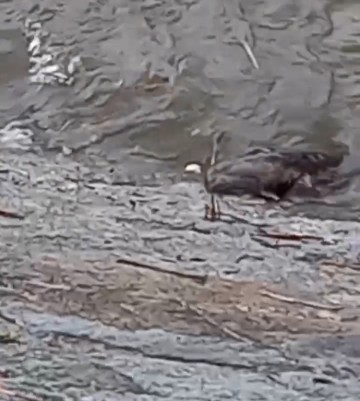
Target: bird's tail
352, 174
311, 162
337, 180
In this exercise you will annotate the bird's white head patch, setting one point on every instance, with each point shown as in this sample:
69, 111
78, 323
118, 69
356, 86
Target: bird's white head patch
194, 168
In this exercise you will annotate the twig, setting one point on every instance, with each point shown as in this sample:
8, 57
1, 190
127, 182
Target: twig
24, 396
344, 265
17, 394
292, 300
139, 152
290, 236
210, 321
250, 53
7, 291
5, 391
49, 286
196, 277
131, 311
10, 214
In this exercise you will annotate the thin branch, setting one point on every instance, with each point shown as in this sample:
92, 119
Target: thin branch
201, 279
250, 54
343, 265
289, 236
10, 214
226, 331
292, 300
18, 394
5, 391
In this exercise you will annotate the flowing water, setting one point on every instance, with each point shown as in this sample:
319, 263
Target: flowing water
112, 285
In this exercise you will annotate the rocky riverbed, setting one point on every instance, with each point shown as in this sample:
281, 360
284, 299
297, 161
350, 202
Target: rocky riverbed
113, 286
124, 292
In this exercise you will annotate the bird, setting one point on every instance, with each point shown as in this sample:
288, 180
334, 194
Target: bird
266, 173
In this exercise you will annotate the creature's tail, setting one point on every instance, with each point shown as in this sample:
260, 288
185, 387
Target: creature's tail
352, 174
337, 180
311, 162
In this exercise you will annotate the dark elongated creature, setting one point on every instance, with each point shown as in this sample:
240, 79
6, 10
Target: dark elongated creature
261, 172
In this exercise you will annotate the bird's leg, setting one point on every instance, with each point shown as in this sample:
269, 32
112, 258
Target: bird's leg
213, 211
212, 208
207, 209
218, 210
209, 214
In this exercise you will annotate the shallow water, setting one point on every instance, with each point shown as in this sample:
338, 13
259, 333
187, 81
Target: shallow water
98, 178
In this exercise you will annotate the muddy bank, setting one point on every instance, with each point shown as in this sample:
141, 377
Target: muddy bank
126, 291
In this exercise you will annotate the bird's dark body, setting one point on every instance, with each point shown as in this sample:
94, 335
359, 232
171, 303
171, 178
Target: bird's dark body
266, 173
